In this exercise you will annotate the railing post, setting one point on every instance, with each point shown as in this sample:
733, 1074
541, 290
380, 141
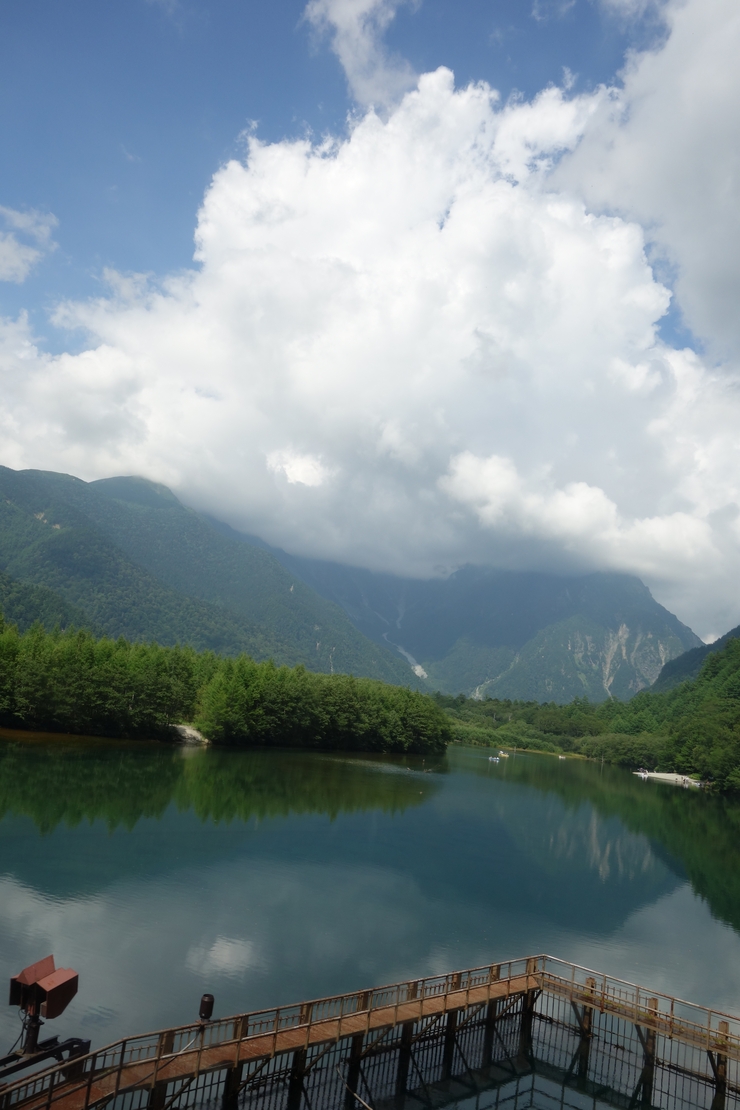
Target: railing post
233, 1078
158, 1092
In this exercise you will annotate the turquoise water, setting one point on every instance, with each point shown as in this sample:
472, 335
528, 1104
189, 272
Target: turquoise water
270, 877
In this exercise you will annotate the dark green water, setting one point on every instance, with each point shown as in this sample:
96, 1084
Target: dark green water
269, 877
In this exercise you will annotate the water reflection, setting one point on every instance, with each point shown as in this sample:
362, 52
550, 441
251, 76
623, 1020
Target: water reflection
65, 780
696, 834
267, 877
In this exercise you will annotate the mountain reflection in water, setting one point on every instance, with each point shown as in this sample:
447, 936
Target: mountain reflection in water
269, 877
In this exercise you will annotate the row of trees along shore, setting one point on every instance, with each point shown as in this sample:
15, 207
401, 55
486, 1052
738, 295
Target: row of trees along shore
72, 682
693, 729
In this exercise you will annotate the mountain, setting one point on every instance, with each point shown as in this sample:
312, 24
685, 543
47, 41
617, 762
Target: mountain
24, 605
508, 634
124, 557
688, 665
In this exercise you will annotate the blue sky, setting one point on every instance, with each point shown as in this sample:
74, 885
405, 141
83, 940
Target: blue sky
278, 257
116, 115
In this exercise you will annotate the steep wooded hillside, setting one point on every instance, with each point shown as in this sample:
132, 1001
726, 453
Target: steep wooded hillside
127, 558
508, 634
688, 665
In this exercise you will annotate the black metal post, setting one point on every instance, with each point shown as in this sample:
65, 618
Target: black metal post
489, 1030
295, 1084
404, 1059
645, 1085
719, 1066
353, 1070
525, 1029
584, 1047
448, 1052
232, 1085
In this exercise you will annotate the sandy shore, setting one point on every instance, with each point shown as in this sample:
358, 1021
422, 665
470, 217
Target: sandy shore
664, 776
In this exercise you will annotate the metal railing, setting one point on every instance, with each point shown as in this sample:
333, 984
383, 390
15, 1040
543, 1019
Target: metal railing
160, 1049
145, 1062
711, 1030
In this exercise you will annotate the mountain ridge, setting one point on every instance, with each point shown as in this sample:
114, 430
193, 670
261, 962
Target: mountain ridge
509, 634
125, 557
124, 562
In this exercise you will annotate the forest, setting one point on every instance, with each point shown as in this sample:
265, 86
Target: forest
73, 682
693, 729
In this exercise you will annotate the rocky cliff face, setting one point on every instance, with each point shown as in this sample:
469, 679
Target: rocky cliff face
506, 634
578, 657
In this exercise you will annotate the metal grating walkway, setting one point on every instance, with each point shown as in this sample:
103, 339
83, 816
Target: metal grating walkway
535, 1032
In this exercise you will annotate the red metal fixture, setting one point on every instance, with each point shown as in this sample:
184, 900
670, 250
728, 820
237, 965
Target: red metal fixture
42, 990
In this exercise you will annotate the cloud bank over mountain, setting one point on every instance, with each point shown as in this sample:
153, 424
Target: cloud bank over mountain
436, 338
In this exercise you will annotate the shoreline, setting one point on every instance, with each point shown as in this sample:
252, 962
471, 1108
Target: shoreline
668, 776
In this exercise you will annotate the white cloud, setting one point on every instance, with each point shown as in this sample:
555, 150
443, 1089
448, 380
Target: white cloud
18, 255
633, 9
435, 340
543, 10
356, 29
305, 469
580, 517
664, 151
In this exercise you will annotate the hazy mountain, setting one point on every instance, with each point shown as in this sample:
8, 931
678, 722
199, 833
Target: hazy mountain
688, 665
124, 557
511, 634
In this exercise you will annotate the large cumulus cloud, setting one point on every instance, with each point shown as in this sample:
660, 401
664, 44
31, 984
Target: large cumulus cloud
430, 341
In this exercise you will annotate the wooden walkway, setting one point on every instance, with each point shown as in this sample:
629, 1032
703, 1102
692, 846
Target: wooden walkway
154, 1062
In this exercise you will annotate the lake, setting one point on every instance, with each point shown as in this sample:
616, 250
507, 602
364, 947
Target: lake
265, 877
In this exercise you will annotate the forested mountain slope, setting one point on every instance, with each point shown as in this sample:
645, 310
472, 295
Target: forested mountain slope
127, 558
508, 634
24, 605
688, 665
123, 556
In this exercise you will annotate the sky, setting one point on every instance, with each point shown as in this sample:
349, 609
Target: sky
402, 284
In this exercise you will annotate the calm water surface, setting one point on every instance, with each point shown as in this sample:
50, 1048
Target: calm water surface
269, 877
